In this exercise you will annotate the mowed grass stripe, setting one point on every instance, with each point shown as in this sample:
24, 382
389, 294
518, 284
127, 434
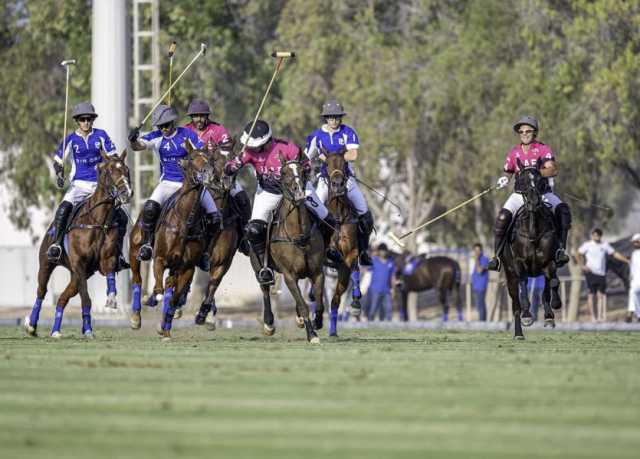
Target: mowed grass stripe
369, 394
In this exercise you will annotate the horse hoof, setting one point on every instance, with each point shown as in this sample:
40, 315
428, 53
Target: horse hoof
178, 313
519, 338
299, 322
210, 323
135, 321
56, 335
112, 302
200, 319
556, 305
333, 335
314, 340
28, 328
166, 339
268, 330
88, 335
317, 323
527, 321
550, 323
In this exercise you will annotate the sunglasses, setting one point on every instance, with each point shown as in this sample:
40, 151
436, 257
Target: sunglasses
165, 125
527, 131
86, 119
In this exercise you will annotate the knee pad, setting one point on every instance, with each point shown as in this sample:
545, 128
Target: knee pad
366, 222
150, 213
256, 230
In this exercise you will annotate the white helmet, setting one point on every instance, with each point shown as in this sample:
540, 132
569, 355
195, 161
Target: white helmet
259, 136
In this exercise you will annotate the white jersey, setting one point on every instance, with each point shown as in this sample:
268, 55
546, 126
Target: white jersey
595, 254
634, 268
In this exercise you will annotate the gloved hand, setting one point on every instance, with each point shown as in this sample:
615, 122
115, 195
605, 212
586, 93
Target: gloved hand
230, 168
59, 175
502, 182
134, 134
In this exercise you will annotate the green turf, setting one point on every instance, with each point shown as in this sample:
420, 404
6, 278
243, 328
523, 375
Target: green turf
369, 394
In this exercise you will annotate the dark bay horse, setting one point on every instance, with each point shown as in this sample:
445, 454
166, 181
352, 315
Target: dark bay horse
223, 247
346, 241
296, 248
530, 252
420, 273
91, 243
179, 240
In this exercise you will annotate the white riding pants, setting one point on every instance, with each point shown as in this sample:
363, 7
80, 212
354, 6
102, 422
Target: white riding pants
79, 191
634, 300
166, 188
516, 201
265, 203
355, 196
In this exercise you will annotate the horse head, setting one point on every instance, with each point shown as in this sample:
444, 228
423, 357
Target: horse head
292, 179
336, 166
531, 184
113, 177
220, 182
196, 166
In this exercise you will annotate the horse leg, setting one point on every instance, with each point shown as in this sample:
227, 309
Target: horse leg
341, 287
209, 303
356, 294
159, 267
442, 296
172, 298
69, 292
87, 329
513, 286
112, 302
166, 300
404, 297
44, 274
301, 306
268, 327
554, 285
318, 286
546, 303
525, 305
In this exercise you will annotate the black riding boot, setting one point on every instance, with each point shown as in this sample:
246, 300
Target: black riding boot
150, 214
563, 220
243, 209
211, 227
54, 252
256, 234
500, 233
121, 219
365, 226
327, 228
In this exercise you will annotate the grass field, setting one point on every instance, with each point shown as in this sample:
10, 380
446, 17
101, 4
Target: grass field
368, 394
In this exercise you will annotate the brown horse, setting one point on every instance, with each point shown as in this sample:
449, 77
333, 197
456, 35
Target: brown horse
531, 252
179, 241
420, 273
92, 244
296, 249
346, 241
224, 246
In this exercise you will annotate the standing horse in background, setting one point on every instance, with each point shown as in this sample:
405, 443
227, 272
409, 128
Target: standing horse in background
346, 241
223, 247
91, 244
179, 240
530, 252
420, 273
296, 249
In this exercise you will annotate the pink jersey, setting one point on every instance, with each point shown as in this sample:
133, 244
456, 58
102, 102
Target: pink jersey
538, 153
266, 162
213, 135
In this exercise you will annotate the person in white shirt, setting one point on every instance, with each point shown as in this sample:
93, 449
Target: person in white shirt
592, 257
634, 288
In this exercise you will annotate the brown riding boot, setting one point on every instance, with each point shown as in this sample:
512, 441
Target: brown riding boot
500, 234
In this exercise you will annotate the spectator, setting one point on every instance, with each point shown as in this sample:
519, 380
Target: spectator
480, 281
634, 288
535, 287
592, 257
382, 278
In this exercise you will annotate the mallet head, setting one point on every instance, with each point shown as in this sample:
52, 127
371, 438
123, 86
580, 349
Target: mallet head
283, 54
396, 239
172, 49
203, 48
67, 62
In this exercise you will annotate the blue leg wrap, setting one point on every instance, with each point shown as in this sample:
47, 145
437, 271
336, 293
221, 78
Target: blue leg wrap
86, 319
35, 312
57, 323
111, 283
136, 305
333, 322
355, 278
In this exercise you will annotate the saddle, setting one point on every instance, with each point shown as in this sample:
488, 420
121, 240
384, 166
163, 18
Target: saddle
195, 228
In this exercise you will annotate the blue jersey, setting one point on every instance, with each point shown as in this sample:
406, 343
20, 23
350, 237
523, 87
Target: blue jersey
331, 142
171, 150
382, 272
85, 154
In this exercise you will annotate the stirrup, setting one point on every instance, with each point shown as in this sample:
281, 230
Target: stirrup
54, 252
204, 263
561, 257
494, 264
145, 252
265, 276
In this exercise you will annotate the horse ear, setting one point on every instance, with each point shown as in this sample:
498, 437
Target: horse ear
104, 155
183, 163
123, 155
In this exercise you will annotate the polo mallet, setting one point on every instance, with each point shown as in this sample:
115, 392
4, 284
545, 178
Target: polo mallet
203, 50
66, 64
584, 201
398, 239
172, 50
281, 56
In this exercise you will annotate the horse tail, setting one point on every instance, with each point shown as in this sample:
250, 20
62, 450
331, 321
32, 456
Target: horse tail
455, 286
